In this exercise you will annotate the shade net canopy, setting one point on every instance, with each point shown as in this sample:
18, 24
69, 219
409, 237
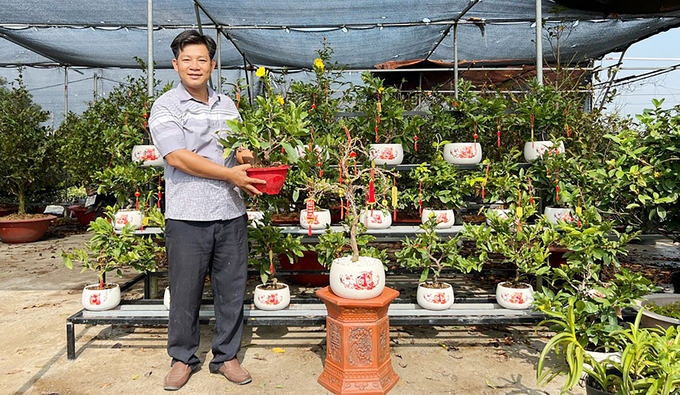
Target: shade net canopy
287, 33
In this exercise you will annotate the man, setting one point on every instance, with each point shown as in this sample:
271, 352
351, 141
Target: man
205, 215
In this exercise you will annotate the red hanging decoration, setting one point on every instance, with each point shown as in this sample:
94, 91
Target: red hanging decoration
475, 136
420, 197
531, 194
145, 115
415, 144
159, 192
238, 95
394, 196
310, 214
371, 190
519, 211
498, 132
486, 177
376, 133
557, 186
567, 119
137, 194
313, 102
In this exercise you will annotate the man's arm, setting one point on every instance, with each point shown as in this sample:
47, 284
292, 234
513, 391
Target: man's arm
196, 165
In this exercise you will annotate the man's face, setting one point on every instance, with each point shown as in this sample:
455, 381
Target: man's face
194, 66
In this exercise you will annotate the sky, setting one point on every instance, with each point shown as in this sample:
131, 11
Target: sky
642, 57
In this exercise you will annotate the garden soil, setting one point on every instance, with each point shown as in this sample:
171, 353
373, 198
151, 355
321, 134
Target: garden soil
38, 293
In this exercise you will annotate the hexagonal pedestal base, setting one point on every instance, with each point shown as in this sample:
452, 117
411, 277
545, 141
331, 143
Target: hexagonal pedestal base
358, 344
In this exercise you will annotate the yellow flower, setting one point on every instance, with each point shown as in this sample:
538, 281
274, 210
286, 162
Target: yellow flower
280, 99
381, 89
318, 63
261, 72
657, 174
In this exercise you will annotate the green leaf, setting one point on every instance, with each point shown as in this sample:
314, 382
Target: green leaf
424, 275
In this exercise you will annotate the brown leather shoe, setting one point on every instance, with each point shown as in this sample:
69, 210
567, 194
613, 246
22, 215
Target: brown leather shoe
233, 371
177, 376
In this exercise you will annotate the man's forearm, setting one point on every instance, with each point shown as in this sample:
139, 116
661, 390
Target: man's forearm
196, 165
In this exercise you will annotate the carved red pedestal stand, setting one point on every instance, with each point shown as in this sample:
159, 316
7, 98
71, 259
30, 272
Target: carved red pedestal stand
358, 344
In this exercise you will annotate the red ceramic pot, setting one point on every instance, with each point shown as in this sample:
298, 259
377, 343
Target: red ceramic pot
275, 176
309, 261
556, 258
84, 217
24, 230
7, 210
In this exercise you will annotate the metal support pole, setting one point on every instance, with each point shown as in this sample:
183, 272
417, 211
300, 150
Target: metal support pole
455, 59
65, 91
94, 94
539, 42
200, 30
70, 341
219, 60
248, 80
149, 39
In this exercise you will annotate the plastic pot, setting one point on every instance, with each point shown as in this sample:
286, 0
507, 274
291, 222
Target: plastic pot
24, 230
275, 177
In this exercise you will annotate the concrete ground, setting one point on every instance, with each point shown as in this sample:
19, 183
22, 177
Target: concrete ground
38, 294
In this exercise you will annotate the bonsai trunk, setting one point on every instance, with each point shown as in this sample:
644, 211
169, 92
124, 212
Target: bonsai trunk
353, 235
22, 198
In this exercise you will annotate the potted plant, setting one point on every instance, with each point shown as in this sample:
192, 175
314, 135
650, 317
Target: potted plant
430, 253
385, 126
30, 161
273, 130
648, 362
440, 191
559, 178
520, 244
268, 241
660, 310
108, 251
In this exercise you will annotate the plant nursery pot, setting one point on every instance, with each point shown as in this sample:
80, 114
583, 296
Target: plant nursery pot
463, 153
445, 218
82, 215
514, 298
377, 219
601, 356
435, 298
271, 299
96, 299
654, 320
255, 218
285, 219
166, 298
125, 217
321, 219
535, 149
387, 154
556, 258
8, 209
557, 214
148, 155
275, 177
363, 279
592, 388
24, 230
308, 261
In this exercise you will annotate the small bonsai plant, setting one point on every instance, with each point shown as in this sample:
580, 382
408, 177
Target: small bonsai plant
429, 253
499, 183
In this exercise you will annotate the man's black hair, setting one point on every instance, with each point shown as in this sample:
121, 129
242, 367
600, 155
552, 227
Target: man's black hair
189, 37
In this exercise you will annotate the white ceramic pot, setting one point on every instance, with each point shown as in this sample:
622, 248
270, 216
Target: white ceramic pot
435, 299
601, 356
321, 219
654, 320
377, 219
463, 153
255, 218
166, 298
387, 154
535, 149
445, 218
556, 214
502, 213
271, 300
96, 299
148, 155
514, 298
363, 279
124, 217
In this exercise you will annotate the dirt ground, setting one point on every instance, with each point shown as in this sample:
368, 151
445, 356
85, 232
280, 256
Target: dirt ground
38, 294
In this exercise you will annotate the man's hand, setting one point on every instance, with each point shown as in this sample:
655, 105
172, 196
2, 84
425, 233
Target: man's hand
241, 180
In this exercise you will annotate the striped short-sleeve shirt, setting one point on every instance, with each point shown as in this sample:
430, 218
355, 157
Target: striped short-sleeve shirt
179, 121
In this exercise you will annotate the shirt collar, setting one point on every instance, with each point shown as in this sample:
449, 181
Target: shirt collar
184, 95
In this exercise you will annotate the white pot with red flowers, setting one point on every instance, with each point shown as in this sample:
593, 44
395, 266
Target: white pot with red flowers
435, 296
322, 217
514, 296
387, 154
127, 217
445, 218
363, 279
271, 296
105, 298
148, 155
536, 149
255, 217
557, 214
463, 153
376, 218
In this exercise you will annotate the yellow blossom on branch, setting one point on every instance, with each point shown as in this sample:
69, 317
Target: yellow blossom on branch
318, 63
261, 72
280, 99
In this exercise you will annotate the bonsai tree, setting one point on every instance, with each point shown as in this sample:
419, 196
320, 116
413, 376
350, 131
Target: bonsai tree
429, 253
272, 130
500, 182
28, 148
440, 186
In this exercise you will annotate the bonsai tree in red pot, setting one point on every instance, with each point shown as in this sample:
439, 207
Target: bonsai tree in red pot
272, 130
29, 161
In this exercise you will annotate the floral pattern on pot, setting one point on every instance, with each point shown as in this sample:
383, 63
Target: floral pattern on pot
514, 298
536, 149
387, 154
445, 218
435, 298
321, 219
148, 155
377, 219
557, 214
127, 217
97, 299
364, 281
275, 299
463, 153
271, 299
